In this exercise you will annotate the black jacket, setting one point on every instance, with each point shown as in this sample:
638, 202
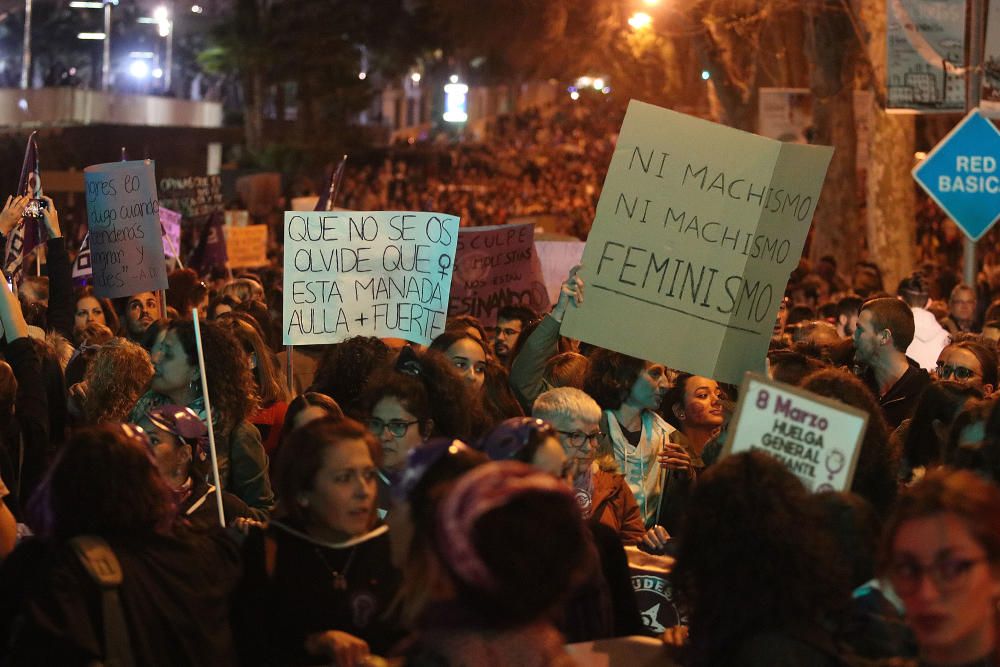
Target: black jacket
899, 402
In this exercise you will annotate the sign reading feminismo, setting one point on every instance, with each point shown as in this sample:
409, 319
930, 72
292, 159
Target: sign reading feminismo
697, 230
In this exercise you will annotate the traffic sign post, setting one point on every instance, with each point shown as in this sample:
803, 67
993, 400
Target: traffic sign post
962, 174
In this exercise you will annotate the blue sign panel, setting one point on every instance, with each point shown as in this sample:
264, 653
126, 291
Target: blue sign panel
962, 174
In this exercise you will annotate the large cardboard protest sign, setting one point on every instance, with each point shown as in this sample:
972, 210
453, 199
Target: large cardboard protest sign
246, 246
817, 438
367, 273
496, 267
126, 245
697, 230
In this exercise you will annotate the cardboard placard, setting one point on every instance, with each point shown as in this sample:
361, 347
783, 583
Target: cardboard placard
367, 273
126, 245
817, 438
495, 267
697, 230
246, 246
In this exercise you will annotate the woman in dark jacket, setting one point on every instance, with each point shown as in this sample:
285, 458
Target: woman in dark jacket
318, 580
175, 581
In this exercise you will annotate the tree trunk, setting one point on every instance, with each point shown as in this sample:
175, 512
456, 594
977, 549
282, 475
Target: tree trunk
837, 226
890, 194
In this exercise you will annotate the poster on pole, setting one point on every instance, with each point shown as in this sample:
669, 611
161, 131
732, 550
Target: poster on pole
817, 438
367, 273
246, 247
785, 114
926, 56
991, 63
697, 229
126, 245
495, 267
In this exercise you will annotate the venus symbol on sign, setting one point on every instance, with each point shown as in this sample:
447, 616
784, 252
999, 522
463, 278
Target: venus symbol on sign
444, 261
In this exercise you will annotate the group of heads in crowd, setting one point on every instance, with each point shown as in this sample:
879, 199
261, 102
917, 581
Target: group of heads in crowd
511, 466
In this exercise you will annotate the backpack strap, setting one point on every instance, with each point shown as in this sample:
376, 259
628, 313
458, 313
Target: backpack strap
102, 565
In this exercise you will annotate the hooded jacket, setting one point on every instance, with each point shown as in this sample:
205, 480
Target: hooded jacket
929, 338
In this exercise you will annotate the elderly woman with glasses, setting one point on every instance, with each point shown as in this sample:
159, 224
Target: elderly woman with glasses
600, 488
942, 557
970, 363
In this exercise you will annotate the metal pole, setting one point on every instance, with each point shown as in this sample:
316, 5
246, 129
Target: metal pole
106, 60
26, 48
170, 56
973, 94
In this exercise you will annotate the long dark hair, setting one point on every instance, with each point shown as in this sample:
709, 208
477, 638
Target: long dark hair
754, 557
103, 482
227, 366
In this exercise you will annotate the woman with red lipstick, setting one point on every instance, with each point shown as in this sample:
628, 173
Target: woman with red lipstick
318, 579
942, 557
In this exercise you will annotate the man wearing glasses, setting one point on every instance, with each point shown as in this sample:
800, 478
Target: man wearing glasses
600, 489
511, 321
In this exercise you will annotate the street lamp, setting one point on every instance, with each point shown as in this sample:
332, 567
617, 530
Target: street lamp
640, 20
166, 29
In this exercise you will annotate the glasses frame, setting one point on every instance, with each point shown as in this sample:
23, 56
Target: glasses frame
945, 582
378, 431
577, 439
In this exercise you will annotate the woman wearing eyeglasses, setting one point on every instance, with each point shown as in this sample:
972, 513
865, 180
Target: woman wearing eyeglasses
942, 557
413, 398
970, 363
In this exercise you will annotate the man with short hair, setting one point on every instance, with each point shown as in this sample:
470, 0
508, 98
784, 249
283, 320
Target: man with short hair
511, 321
961, 310
600, 489
141, 310
884, 331
929, 337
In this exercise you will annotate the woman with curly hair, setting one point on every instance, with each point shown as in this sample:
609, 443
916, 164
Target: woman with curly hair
116, 377
629, 391
344, 369
878, 466
270, 416
176, 581
414, 398
177, 380
757, 569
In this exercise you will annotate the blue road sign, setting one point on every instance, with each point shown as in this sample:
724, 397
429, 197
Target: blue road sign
962, 174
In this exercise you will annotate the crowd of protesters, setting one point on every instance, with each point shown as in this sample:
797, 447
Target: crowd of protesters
532, 163
479, 501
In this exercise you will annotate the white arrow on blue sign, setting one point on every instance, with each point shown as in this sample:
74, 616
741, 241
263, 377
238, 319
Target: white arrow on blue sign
962, 174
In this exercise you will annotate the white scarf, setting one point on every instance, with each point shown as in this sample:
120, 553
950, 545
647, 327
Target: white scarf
638, 464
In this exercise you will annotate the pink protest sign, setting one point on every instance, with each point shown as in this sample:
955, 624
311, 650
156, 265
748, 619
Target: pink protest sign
496, 267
